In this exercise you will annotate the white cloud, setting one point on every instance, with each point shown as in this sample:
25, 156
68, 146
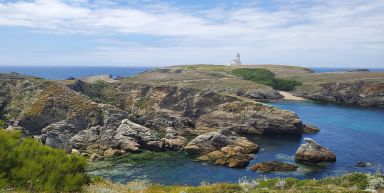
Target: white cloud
294, 26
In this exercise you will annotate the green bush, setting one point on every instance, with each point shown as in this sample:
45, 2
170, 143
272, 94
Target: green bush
285, 85
25, 164
266, 77
2, 124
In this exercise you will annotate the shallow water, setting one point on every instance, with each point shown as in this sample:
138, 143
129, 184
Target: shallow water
354, 134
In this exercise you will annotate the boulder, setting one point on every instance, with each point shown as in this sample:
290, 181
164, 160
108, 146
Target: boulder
131, 136
111, 152
58, 134
363, 164
310, 129
222, 148
273, 166
94, 157
172, 140
313, 153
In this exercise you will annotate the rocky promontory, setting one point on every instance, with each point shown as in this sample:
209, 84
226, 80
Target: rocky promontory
358, 92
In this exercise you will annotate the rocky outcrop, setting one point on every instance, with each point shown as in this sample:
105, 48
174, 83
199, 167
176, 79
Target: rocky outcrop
253, 118
264, 94
130, 136
310, 129
360, 92
173, 140
273, 166
222, 148
313, 153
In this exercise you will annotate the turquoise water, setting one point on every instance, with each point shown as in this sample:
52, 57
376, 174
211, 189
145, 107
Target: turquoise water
354, 134
63, 72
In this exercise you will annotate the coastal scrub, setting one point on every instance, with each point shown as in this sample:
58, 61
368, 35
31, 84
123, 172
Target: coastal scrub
27, 165
266, 77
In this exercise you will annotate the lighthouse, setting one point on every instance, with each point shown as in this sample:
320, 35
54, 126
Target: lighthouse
236, 61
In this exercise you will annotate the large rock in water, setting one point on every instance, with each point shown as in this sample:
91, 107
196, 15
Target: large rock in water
272, 166
223, 148
313, 153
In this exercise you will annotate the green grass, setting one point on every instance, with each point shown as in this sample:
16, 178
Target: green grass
266, 77
27, 165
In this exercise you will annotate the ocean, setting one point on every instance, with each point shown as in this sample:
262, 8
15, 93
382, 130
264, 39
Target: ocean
64, 72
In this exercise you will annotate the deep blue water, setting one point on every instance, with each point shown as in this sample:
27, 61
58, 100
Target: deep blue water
354, 134
63, 72
344, 69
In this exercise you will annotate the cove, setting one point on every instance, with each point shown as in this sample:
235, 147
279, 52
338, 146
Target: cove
354, 133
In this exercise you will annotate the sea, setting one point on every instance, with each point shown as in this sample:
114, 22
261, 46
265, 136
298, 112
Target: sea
64, 72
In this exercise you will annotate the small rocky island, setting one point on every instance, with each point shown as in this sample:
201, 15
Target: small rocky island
204, 110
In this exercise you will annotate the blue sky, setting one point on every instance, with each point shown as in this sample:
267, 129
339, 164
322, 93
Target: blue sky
317, 33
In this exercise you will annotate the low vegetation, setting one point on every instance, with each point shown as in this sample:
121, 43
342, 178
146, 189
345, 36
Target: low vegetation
354, 182
266, 77
26, 165
2, 124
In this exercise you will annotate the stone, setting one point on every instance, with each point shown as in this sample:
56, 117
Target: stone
94, 157
310, 129
131, 136
111, 153
172, 140
273, 166
75, 151
313, 153
362, 164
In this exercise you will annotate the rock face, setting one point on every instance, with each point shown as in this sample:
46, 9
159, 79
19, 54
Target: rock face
273, 166
312, 152
222, 148
358, 92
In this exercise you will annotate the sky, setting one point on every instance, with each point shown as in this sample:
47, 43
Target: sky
316, 33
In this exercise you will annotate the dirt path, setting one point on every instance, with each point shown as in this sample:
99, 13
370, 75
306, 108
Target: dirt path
289, 96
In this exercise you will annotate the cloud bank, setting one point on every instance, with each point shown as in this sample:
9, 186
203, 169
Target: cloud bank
319, 33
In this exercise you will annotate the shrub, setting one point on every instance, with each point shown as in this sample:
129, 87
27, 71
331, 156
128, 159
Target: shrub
28, 165
266, 77
2, 124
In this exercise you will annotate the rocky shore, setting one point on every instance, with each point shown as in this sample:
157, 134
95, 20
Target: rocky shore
110, 119
203, 110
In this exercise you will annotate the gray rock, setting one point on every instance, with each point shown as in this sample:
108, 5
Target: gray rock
222, 148
133, 135
313, 153
58, 134
172, 140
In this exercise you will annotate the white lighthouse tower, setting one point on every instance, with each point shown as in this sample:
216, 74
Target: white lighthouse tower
236, 61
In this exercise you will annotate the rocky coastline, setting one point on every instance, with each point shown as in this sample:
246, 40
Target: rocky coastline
110, 118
